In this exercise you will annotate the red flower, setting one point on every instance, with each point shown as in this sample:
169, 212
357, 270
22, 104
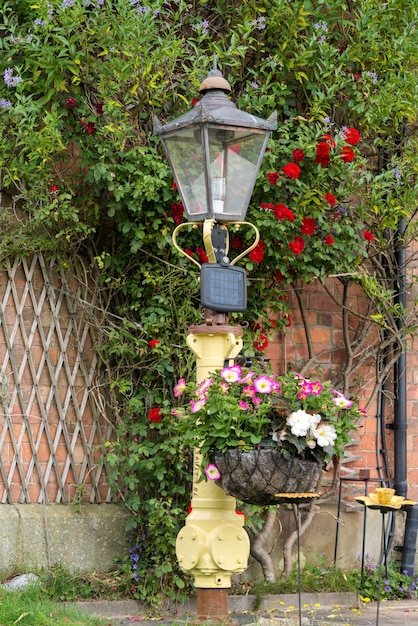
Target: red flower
201, 255
330, 140
174, 185
322, 153
53, 188
291, 170
331, 199
155, 415
266, 205
273, 177
352, 136
308, 226
99, 108
287, 320
188, 252
297, 245
261, 343
279, 276
283, 213
177, 212
298, 155
257, 255
189, 509
194, 102
70, 103
236, 243
329, 240
368, 235
89, 126
347, 154
242, 513
153, 343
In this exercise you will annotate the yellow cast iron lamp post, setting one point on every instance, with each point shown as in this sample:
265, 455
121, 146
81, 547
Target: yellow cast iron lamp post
215, 151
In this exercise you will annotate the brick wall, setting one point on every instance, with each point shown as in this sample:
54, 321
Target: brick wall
324, 317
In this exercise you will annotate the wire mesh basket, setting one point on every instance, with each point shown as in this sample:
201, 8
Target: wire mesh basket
257, 475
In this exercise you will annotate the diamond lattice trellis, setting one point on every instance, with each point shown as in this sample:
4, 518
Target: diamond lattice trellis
51, 424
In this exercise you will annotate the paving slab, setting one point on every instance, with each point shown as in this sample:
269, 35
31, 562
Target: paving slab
316, 610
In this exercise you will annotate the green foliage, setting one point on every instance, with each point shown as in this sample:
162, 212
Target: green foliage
31, 608
393, 582
82, 173
242, 408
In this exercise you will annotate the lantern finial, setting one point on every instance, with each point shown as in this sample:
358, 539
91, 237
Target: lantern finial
215, 80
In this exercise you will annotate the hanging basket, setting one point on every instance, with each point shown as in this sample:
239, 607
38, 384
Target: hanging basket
257, 475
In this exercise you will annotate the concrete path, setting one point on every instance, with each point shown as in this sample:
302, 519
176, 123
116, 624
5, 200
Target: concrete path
345, 612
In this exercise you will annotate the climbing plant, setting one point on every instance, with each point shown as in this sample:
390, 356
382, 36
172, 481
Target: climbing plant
82, 174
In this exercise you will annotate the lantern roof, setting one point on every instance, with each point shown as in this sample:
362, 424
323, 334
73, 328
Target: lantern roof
216, 108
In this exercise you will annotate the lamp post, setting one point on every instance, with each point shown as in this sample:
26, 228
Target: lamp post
215, 151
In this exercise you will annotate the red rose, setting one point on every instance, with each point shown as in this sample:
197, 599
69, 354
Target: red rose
89, 126
236, 243
194, 102
298, 155
291, 170
308, 226
330, 140
177, 210
347, 154
297, 245
257, 255
201, 255
70, 102
278, 276
155, 415
174, 185
153, 343
368, 235
352, 136
273, 177
283, 213
99, 108
53, 188
266, 205
261, 343
322, 153
329, 240
331, 199
188, 252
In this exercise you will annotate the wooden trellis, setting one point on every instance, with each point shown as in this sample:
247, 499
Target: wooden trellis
52, 425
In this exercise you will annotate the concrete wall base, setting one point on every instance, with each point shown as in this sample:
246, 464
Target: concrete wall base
83, 538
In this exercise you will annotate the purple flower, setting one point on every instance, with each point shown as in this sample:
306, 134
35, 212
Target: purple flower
67, 3
5, 104
9, 79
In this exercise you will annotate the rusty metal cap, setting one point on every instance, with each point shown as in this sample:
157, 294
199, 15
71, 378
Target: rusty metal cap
215, 80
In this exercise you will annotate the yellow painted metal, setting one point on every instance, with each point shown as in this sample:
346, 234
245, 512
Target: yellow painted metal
213, 544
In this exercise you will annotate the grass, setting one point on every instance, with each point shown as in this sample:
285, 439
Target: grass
313, 580
31, 607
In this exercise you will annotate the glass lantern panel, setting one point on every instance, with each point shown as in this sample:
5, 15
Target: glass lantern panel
185, 153
235, 157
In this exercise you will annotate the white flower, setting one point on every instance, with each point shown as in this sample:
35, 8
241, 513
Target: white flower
301, 422
325, 435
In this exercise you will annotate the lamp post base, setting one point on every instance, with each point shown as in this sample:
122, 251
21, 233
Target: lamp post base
212, 608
